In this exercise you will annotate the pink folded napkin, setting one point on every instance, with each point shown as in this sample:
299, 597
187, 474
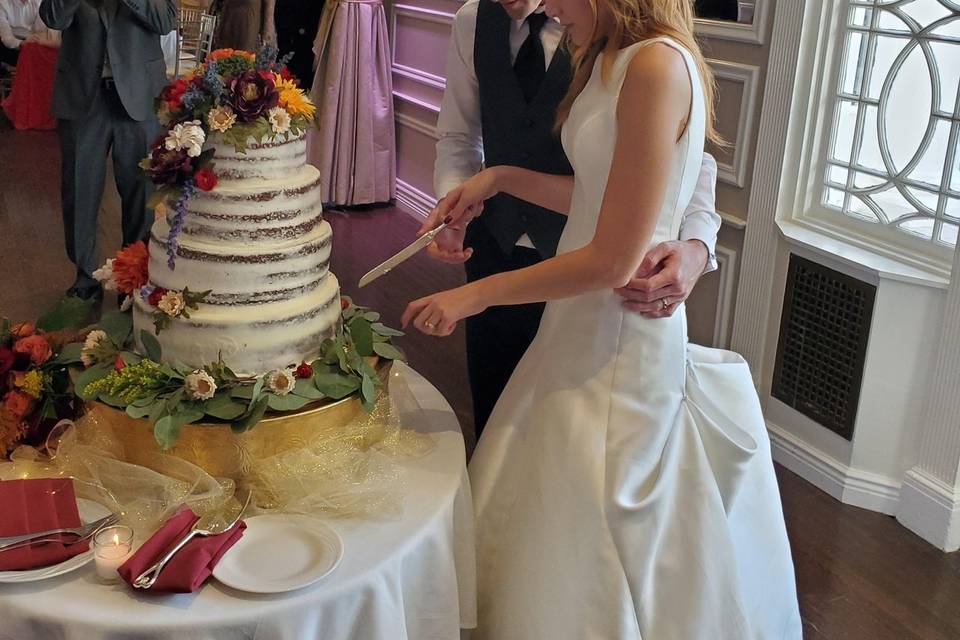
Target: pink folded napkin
192, 565
30, 506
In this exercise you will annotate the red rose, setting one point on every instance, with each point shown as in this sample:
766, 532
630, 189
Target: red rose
344, 304
35, 347
286, 75
206, 180
173, 93
156, 296
6, 360
18, 404
119, 364
303, 371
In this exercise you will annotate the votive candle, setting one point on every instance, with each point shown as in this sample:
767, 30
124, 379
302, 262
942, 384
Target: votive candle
111, 548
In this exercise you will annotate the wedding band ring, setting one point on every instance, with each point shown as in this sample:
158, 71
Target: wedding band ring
665, 304
428, 325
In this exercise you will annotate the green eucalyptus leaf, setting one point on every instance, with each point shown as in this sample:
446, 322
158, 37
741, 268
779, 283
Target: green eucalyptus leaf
368, 392
362, 335
117, 326
370, 316
130, 357
242, 393
384, 330
336, 385
305, 388
151, 345
70, 354
224, 407
288, 402
167, 429
388, 351
251, 417
70, 313
257, 390
145, 401
138, 413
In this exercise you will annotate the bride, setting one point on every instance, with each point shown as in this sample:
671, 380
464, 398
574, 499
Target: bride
623, 486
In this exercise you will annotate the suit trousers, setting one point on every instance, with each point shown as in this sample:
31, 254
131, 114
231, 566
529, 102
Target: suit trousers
498, 337
84, 145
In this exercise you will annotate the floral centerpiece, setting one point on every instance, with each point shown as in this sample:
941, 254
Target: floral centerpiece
35, 389
236, 94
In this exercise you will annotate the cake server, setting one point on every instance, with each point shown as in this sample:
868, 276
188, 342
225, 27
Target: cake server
404, 254
82, 532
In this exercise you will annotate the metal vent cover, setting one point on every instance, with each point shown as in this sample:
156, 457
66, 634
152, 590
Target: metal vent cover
822, 345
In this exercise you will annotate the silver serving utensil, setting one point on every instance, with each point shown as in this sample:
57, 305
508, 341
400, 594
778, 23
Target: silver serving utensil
208, 525
82, 532
407, 252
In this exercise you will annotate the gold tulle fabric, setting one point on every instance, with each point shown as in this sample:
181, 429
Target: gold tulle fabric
332, 461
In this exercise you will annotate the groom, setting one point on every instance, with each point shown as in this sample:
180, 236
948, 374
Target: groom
506, 74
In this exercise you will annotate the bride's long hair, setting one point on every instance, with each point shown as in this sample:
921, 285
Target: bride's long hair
621, 23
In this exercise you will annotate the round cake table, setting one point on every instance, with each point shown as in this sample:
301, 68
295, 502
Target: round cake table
409, 577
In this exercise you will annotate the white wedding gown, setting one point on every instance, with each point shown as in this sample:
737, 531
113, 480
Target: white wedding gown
624, 487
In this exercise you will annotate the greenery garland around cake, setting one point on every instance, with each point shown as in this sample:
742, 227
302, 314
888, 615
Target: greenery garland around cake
48, 369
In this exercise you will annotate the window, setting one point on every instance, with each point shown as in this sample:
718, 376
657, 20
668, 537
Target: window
893, 149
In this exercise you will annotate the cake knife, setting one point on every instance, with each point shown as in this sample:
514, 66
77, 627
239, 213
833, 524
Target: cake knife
407, 252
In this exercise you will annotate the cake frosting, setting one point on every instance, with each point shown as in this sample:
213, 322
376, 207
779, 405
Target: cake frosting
258, 242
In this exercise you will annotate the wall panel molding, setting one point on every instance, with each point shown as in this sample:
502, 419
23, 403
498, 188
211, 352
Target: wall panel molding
748, 76
753, 33
727, 267
414, 201
419, 76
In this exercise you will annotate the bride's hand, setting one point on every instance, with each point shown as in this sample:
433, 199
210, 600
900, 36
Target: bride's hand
438, 314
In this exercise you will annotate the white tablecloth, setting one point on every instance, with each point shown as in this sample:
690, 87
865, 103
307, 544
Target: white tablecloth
411, 577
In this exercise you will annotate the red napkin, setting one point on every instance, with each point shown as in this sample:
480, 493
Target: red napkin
192, 565
30, 506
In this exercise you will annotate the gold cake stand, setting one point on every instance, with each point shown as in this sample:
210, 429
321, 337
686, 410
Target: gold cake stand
219, 451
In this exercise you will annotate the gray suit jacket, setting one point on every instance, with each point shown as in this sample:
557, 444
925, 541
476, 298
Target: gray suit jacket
130, 31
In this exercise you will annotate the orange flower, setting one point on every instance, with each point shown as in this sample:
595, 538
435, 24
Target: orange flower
130, 267
12, 429
220, 54
35, 347
18, 404
22, 330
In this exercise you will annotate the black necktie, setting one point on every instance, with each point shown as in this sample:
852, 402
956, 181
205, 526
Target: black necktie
530, 65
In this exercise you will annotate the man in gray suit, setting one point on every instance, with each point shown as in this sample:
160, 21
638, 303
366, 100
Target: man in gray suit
110, 69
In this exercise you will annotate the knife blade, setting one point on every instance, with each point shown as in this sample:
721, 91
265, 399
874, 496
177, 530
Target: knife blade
404, 254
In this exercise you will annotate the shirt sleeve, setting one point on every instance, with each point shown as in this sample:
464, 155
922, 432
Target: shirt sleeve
9, 40
460, 137
701, 220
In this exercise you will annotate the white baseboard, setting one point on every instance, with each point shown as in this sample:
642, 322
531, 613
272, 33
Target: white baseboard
931, 509
848, 485
414, 201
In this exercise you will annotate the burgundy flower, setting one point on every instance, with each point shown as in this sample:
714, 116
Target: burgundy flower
155, 296
7, 358
169, 167
251, 95
303, 371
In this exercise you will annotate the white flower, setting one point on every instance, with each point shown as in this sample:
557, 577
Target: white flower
200, 385
104, 275
94, 339
188, 135
126, 304
279, 119
281, 381
172, 303
221, 118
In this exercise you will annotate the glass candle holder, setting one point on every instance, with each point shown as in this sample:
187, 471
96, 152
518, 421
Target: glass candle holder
111, 548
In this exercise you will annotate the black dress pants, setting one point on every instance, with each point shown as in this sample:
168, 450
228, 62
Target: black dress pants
498, 337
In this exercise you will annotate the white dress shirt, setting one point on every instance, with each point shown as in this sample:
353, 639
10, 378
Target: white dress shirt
460, 147
18, 20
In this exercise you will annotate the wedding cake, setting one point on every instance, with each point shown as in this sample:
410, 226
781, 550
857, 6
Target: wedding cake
259, 244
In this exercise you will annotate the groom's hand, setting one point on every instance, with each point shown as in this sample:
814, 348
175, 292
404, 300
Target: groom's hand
665, 278
448, 245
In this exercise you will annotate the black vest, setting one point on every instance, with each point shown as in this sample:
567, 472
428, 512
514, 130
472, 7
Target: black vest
517, 133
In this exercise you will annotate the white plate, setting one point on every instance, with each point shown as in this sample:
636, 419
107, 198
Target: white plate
89, 511
280, 553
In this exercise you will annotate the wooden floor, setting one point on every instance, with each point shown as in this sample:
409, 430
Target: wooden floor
861, 576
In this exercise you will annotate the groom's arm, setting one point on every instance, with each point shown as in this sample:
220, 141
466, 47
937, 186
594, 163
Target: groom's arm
672, 269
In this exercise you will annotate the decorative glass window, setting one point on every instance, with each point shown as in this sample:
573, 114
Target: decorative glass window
893, 155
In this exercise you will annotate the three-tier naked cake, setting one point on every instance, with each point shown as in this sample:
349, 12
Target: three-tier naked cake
258, 242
